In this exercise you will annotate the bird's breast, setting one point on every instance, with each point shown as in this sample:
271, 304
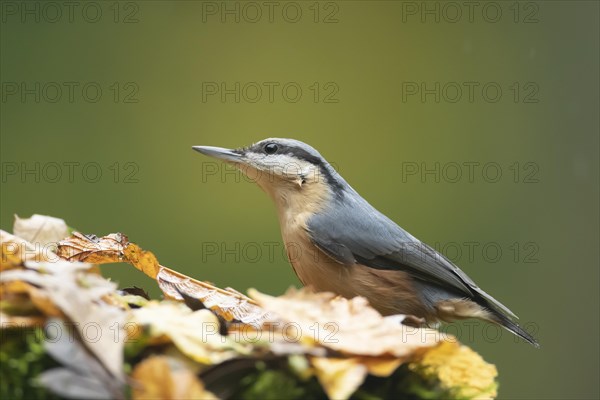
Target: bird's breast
390, 292
313, 267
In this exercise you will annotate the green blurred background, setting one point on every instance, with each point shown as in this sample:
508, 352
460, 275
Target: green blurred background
156, 63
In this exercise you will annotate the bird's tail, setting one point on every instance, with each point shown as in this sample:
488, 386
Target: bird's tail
513, 327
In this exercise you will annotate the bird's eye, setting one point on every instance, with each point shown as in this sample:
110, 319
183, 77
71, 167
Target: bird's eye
271, 148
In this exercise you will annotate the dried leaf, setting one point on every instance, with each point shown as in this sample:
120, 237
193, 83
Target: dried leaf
195, 333
231, 305
143, 260
64, 346
348, 326
12, 321
40, 229
68, 383
458, 370
43, 303
14, 287
382, 367
82, 376
115, 247
10, 290
339, 377
78, 295
161, 377
90, 249
15, 251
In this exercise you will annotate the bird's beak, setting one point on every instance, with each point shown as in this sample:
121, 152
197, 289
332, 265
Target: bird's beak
219, 152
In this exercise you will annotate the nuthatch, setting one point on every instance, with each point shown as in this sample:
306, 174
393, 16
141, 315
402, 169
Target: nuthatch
337, 242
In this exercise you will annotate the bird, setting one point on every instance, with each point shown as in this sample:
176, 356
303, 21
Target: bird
337, 242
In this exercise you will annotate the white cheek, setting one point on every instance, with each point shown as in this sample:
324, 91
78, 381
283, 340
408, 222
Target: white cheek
285, 166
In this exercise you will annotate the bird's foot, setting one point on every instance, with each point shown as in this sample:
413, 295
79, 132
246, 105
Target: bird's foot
416, 322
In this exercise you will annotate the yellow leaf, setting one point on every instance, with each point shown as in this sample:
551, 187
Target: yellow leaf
195, 333
339, 377
14, 287
459, 370
382, 367
161, 377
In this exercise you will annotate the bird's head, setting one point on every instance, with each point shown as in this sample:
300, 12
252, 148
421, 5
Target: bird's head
290, 171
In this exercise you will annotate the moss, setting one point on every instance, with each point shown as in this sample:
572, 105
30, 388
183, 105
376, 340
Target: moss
278, 380
22, 359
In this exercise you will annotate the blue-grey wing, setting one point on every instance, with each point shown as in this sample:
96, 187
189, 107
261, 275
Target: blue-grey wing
354, 232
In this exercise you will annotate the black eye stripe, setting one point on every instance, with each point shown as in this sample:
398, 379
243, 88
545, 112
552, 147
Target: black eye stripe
304, 155
272, 148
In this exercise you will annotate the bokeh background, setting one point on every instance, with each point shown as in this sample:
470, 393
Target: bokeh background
101, 103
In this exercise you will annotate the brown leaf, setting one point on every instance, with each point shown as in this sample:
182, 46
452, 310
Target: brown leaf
43, 303
11, 292
230, 304
115, 247
14, 287
162, 377
17, 321
90, 249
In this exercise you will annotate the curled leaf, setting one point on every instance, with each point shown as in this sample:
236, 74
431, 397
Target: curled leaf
115, 247
91, 249
231, 305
